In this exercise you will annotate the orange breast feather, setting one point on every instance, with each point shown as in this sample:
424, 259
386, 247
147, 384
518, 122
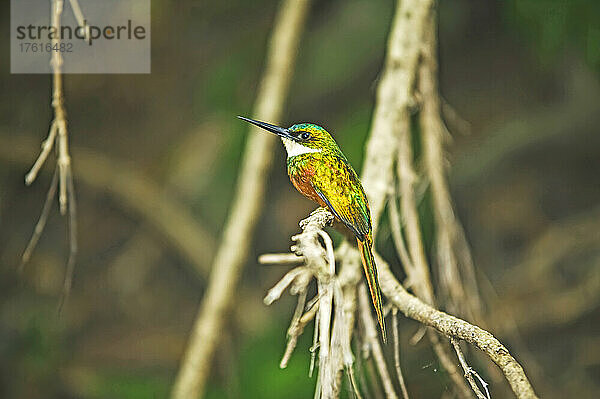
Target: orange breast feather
302, 182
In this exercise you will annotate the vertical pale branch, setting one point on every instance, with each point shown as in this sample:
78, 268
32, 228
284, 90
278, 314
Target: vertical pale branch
461, 292
390, 138
57, 139
406, 179
325, 290
447, 227
421, 279
394, 96
332, 321
230, 257
58, 128
397, 365
372, 340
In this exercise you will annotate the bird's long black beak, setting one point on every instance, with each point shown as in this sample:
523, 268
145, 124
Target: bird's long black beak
281, 132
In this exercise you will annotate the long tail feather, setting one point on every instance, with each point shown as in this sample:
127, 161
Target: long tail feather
368, 262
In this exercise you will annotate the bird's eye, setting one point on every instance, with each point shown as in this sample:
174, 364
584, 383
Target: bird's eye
305, 136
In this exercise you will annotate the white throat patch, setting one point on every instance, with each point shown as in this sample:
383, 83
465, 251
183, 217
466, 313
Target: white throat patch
294, 148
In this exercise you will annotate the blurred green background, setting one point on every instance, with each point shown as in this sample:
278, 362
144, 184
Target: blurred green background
525, 180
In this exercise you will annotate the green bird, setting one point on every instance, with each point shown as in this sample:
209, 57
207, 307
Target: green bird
320, 171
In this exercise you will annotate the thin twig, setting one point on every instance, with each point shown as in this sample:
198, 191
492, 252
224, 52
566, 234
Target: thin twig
455, 121
373, 343
295, 330
398, 239
330, 252
81, 21
469, 372
41, 223
353, 385
348, 277
325, 309
298, 312
397, 353
72, 243
46, 148
313, 351
275, 292
279, 259
406, 178
300, 277
58, 140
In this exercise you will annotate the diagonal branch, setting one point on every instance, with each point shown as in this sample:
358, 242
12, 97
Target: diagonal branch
469, 372
256, 163
451, 326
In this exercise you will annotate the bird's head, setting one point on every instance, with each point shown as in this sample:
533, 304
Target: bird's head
301, 138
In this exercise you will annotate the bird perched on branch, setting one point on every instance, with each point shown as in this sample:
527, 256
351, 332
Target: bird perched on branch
320, 171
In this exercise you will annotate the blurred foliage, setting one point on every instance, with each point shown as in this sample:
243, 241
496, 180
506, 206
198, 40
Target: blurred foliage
506, 67
553, 26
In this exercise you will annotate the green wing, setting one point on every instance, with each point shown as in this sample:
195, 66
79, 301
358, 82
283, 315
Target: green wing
338, 186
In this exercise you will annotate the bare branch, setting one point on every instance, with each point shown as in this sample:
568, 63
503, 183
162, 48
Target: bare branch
64, 159
398, 239
326, 379
297, 328
469, 372
275, 292
372, 340
58, 140
280, 259
46, 148
336, 305
406, 179
394, 95
80, 19
456, 123
68, 281
41, 223
397, 353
